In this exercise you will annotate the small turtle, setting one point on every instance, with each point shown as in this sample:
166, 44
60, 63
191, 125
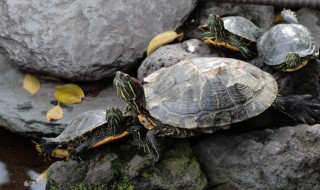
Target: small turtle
233, 32
287, 47
89, 130
203, 95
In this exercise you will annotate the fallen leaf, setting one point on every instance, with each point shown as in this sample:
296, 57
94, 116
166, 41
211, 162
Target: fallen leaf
180, 36
55, 113
69, 93
161, 39
31, 83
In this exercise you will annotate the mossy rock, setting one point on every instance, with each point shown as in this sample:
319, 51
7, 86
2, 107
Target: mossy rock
122, 166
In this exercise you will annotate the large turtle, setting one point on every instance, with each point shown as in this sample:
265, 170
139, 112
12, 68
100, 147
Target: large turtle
91, 129
203, 95
287, 47
233, 32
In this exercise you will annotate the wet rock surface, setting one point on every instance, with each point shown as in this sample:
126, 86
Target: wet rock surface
84, 40
25, 114
285, 158
19, 162
122, 166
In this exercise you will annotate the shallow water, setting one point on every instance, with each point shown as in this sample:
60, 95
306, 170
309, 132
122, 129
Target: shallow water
19, 161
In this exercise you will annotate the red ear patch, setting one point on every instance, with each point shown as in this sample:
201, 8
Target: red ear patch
136, 81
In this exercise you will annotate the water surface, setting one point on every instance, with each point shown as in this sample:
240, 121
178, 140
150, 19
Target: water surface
19, 161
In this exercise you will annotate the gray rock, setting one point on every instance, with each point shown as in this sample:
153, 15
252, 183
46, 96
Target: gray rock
66, 173
84, 40
25, 114
261, 15
121, 166
285, 158
311, 19
169, 55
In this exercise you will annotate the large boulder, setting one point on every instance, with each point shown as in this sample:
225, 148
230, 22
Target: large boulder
25, 114
284, 158
84, 40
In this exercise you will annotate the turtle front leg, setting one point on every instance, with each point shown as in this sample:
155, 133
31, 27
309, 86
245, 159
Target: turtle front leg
154, 135
75, 154
136, 132
301, 108
242, 48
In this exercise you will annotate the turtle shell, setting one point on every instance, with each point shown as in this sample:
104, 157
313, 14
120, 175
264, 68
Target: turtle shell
241, 26
208, 92
82, 124
274, 45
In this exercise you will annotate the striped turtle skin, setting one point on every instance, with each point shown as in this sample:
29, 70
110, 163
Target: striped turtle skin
204, 93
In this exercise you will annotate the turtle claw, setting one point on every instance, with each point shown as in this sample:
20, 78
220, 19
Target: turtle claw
135, 131
75, 156
153, 158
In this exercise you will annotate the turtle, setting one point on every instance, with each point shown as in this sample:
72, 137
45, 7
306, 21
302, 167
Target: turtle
91, 129
206, 94
233, 32
288, 46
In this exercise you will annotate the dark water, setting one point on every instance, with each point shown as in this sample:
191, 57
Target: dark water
19, 161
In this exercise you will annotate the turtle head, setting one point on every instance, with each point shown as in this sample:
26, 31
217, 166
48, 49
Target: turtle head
130, 90
215, 23
216, 27
293, 62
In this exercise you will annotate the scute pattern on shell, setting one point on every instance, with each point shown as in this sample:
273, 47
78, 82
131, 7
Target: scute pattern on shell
241, 27
82, 124
274, 45
208, 92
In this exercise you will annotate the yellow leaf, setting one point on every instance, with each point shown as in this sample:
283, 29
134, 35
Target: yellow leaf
160, 40
55, 113
31, 83
69, 93
180, 36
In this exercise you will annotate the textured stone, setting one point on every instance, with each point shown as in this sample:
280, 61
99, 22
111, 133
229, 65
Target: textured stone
84, 40
25, 114
311, 19
260, 15
169, 55
284, 158
121, 166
